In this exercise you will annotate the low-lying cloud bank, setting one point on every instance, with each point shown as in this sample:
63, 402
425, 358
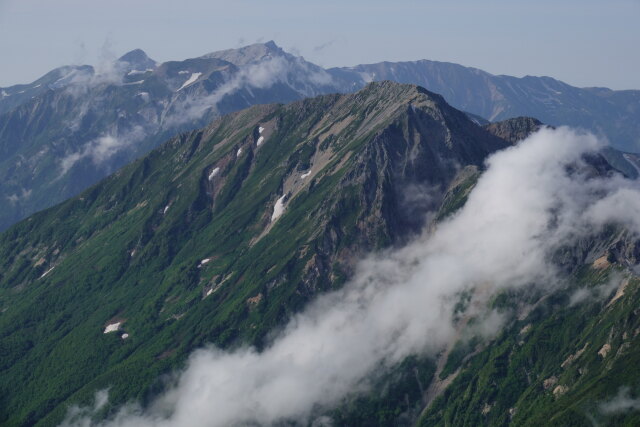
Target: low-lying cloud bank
532, 199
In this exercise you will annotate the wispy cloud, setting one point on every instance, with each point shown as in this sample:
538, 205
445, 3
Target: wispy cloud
622, 402
322, 46
101, 149
261, 75
525, 206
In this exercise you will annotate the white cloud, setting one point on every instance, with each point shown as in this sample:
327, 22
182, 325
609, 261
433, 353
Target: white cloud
622, 402
524, 207
601, 291
259, 75
103, 148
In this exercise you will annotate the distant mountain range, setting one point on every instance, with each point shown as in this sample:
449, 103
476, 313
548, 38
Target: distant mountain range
77, 124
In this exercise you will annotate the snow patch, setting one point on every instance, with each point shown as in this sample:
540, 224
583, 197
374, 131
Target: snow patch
203, 262
239, 152
166, 208
37, 86
190, 80
113, 327
278, 208
304, 175
183, 72
143, 95
629, 159
260, 129
125, 336
4, 93
135, 72
47, 272
213, 173
260, 141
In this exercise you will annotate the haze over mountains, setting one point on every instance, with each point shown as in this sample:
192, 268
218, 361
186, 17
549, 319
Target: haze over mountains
77, 124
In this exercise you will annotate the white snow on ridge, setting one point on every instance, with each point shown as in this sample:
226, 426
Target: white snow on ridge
260, 129
213, 173
190, 80
183, 72
47, 272
259, 141
4, 93
133, 72
278, 208
630, 160
113, 327
306, 174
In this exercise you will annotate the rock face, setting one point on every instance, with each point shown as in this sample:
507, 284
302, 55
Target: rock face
348, 171
514, 130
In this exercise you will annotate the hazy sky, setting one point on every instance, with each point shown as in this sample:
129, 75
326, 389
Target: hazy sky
585, 43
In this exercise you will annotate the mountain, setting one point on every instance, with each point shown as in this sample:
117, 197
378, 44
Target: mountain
612, 114
77, 124
14, 96
223, 234
219, 235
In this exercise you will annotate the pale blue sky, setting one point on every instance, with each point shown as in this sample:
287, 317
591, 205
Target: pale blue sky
585, 43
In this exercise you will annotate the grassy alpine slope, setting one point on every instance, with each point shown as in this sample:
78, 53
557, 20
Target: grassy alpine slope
222, 234
180, 247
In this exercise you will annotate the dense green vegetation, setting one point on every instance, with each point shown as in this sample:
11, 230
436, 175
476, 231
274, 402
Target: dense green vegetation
180, 248
132, 249
548, 367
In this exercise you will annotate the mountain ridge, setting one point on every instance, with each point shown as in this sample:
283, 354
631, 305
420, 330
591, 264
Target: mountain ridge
75, 125
140, 238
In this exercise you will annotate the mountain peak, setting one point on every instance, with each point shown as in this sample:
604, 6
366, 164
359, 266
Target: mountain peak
272, 45
514, 129
137, 58
401, 92
247, 54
